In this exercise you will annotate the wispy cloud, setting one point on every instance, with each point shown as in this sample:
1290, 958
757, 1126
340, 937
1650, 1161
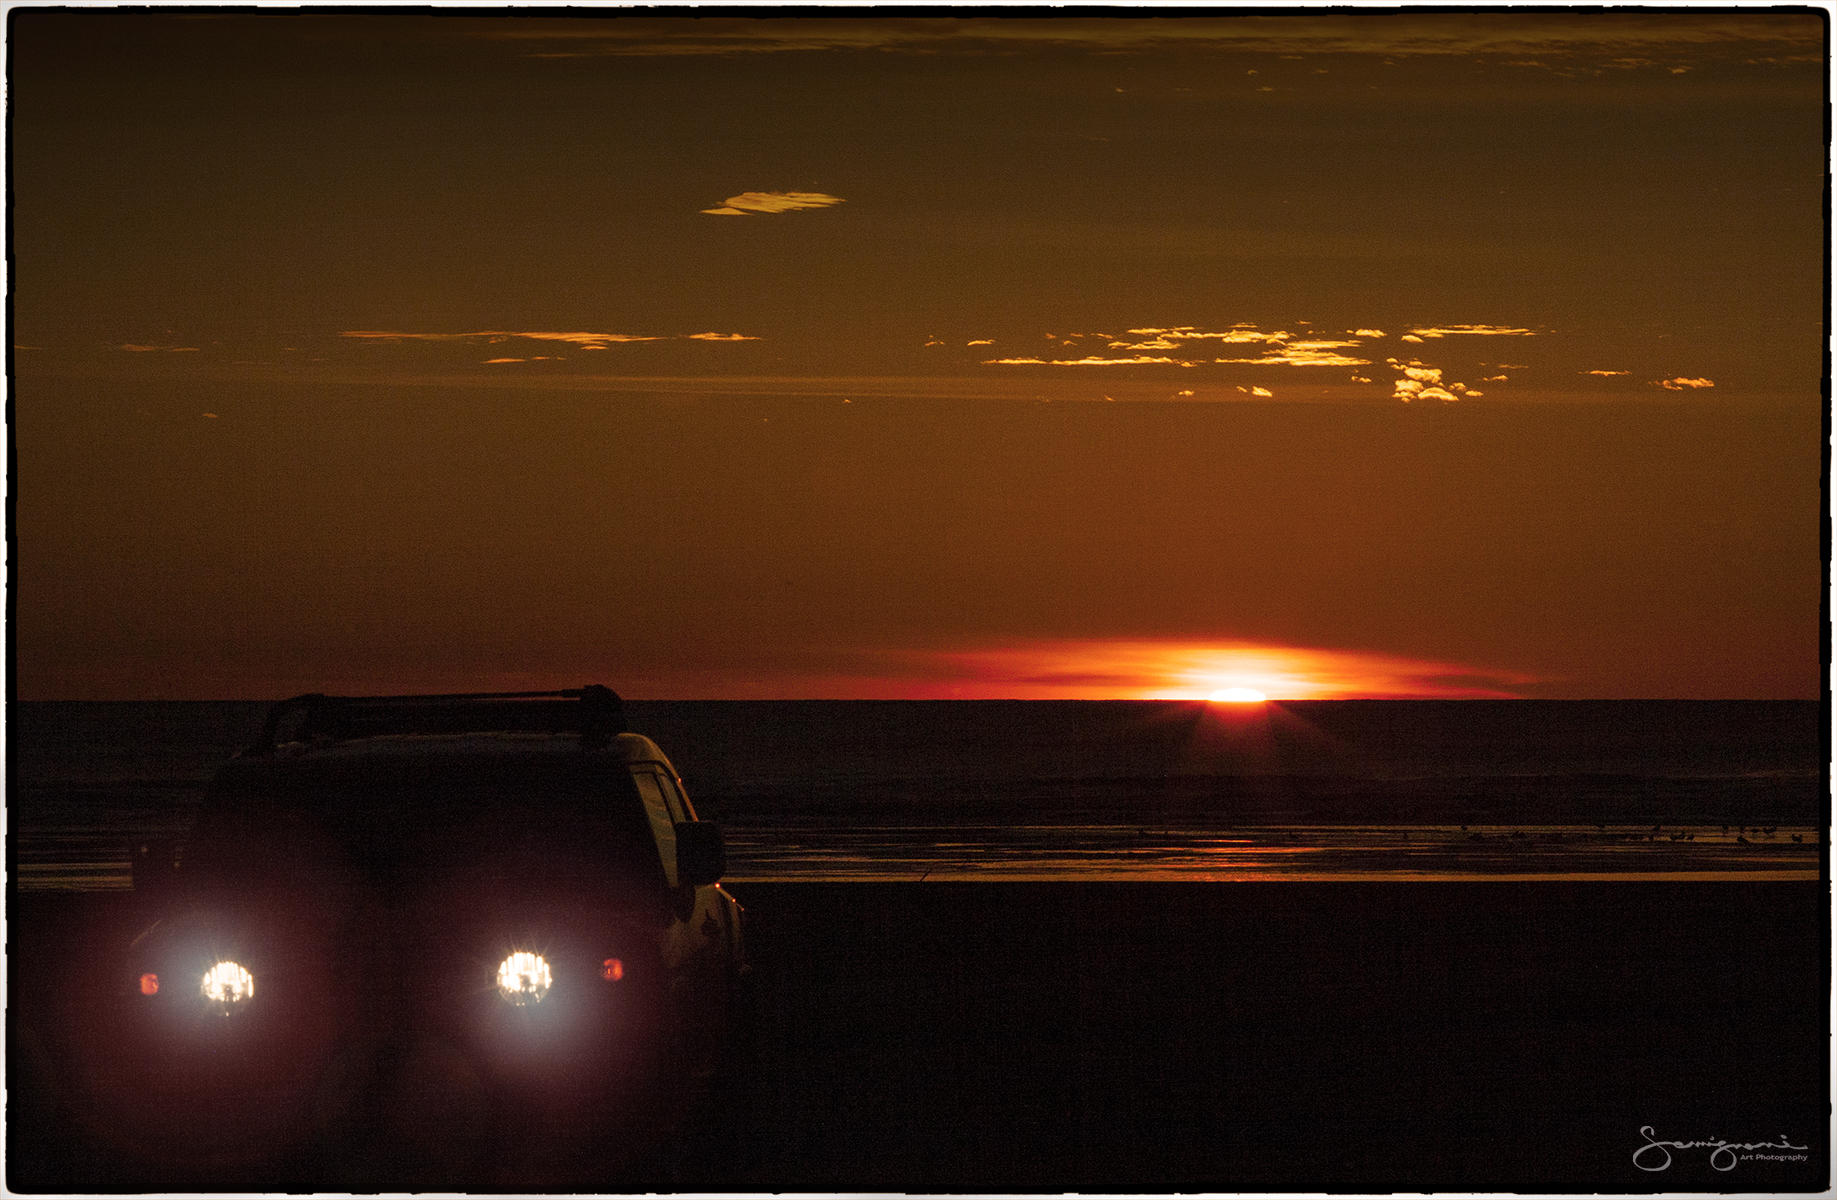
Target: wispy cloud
145, 348
1090, 360
581, 340
1609, 374
1313, 353
1281, 348
1624, 39
1440, 331
749, 203
1169, 339
1680, 383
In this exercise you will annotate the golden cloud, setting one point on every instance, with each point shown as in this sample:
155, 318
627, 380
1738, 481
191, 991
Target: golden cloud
1090, 360
1236, 334
1419, 381
1680, 383
1437, 331
582, 340
748, 203
1281, 348
1300, 354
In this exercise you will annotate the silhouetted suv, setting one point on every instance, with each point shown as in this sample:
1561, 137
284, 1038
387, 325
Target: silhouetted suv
413, 939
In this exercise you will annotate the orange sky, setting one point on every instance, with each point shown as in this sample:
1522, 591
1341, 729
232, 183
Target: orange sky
1434, 354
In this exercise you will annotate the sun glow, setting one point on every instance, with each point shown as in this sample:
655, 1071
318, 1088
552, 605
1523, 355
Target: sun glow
1214, 672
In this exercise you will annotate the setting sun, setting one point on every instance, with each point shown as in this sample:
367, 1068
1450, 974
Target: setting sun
1237, 695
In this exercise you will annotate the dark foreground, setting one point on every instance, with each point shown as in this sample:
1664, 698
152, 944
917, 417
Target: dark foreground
1174, 1037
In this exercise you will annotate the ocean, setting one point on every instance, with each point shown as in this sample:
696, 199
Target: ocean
1086, 790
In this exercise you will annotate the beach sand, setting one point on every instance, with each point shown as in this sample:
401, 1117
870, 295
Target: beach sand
1165, 1037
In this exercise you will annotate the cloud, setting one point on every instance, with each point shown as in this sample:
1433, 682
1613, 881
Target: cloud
1170, 339
1554, 36
1281, 348
748, 203
143, 348
1176, 345
1303, 354
1090, 360
1439, 331
1419, 381
1680, 383
582, 340
1260, 392
1607, 373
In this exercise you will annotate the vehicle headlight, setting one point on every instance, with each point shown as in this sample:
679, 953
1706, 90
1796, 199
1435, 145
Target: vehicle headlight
524, 978
228, 984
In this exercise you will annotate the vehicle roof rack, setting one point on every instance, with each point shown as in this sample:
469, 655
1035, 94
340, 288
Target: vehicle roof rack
595, 712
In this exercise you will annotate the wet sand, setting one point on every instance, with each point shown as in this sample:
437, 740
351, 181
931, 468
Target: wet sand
91, 860
1163, 1037
1308, 853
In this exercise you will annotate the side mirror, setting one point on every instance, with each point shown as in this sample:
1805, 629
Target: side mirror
153, 867
701, 855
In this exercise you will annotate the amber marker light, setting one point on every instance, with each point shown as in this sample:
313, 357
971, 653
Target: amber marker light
612, 970
149, 984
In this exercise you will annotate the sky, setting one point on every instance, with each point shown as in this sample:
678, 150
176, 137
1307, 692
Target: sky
1322, 354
